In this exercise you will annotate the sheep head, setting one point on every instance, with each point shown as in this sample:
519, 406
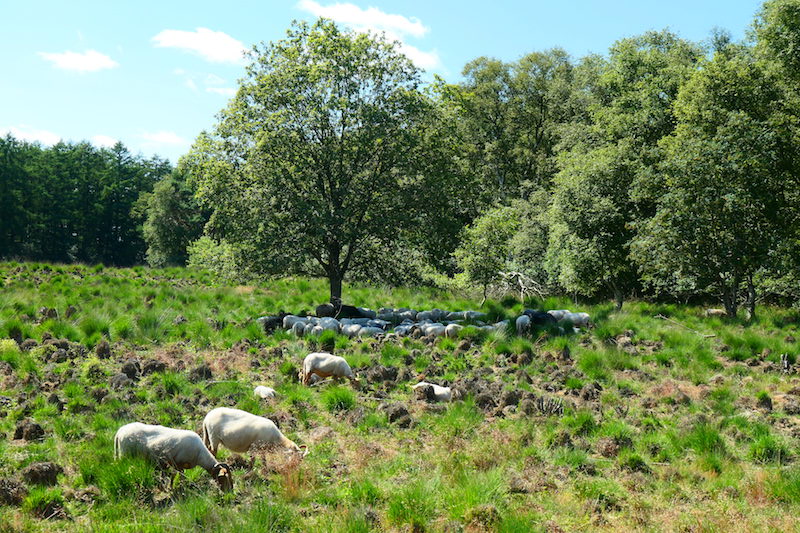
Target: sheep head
222, 475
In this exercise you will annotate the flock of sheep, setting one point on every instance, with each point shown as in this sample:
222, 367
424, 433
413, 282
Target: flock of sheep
402, 322
239, 430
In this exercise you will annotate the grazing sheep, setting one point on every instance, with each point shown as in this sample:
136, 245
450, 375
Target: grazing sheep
264, 392
239, 430
540, 318
442, 394
325, 365
370, 331
715, 313
451, 331
578, 319
290, 320
523, 325
179, 448
558, 314
433, 328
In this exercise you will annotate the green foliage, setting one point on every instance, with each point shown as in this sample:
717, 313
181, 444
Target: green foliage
216, 256
483, 252
321, 94
73, 202
727, 156
174, 220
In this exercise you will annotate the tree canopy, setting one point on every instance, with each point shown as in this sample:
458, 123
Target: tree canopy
315, 154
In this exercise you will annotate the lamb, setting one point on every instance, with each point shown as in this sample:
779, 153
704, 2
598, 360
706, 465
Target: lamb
179, 448
239, 430
442, 394
325, 365
264, 392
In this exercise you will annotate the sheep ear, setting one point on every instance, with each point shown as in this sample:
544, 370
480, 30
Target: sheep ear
223, 472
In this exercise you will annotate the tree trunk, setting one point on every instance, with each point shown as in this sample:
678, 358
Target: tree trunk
619, 297
729, 298
335, 280
751, 299
335, 273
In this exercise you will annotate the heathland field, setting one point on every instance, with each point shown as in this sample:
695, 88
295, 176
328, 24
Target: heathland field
655, 418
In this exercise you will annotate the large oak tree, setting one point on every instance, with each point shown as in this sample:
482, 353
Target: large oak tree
316, 153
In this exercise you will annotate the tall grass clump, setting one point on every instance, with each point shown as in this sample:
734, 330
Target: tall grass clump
129, 477
338, 399
414, 504
267, 516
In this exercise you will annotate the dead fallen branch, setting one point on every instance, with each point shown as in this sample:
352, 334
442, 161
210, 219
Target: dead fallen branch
704, 335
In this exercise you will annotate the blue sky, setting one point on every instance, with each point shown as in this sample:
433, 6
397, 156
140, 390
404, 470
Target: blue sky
153, 74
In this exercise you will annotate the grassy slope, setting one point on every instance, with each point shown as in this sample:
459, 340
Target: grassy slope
673, 437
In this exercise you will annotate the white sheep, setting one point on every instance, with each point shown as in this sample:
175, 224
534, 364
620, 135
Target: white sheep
264, 392
558, 314
442, 394
451, 330
523, 324
179, 448
325, 365
578, 319
238, 430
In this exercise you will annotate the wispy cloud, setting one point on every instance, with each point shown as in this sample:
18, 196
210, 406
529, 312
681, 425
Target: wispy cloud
371, 18
213, 79
88, 61
24, 132
396, 27
225, 91
214, 46
104, 141
163, 138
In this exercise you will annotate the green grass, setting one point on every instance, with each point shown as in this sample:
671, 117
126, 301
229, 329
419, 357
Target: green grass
338, 399
716, 460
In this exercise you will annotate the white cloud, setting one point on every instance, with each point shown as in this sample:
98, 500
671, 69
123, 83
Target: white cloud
164, 137
88, 61
26, 133
213, 79
372, 19
104, 141
226, 91
191, 84
214, 46
425, 60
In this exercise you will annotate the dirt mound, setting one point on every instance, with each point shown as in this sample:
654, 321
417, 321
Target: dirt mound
12, 492
28, 430
42, 473
200, 373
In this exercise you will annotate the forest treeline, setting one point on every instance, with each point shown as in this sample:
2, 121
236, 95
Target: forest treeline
73, 202
665, 168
